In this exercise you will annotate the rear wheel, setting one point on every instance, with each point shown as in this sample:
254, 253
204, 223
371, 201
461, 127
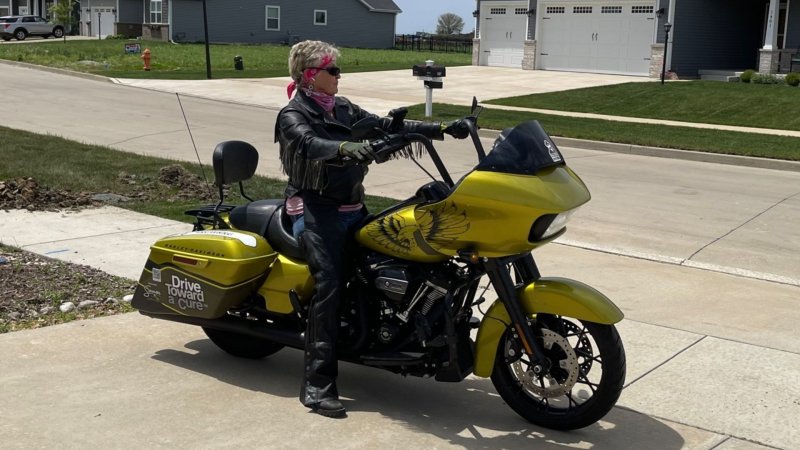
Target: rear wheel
20, 35
583, 382
58, 32
6, 38
242, 345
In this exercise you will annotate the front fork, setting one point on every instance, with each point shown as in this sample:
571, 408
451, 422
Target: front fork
526, 272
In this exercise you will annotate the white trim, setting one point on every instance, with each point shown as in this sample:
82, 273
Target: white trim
326, 17
786, 24
266, 17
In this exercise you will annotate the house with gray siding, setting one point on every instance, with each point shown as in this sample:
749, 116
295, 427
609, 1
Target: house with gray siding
349, 23
628, 36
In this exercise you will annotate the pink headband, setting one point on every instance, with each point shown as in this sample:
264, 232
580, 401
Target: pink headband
309, 74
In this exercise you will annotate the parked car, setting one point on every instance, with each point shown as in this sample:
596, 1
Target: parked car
20, 27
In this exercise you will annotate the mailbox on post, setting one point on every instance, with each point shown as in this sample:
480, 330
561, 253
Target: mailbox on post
431, 76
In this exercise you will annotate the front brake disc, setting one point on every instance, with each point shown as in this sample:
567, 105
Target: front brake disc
547, 385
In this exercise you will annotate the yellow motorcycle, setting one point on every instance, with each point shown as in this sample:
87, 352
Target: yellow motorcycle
415, 287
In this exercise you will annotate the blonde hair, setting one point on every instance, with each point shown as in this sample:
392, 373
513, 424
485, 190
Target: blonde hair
307, 54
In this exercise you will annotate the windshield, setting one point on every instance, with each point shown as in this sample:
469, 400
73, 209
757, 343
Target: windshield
524, 149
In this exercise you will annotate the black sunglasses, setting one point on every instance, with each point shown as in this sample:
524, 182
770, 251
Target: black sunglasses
332, 70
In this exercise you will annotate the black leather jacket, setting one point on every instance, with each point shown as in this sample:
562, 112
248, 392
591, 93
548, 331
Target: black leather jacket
309, 149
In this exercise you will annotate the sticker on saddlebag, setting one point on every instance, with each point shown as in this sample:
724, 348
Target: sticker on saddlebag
245, 239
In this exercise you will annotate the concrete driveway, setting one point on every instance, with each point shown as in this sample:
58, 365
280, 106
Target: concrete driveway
379, 92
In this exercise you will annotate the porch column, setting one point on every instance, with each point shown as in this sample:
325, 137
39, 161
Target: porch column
769, 55
771, 39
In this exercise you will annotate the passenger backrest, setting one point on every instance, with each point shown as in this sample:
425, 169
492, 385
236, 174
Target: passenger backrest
234, 161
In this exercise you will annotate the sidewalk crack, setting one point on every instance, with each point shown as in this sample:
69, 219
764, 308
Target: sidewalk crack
738, 227
665, 361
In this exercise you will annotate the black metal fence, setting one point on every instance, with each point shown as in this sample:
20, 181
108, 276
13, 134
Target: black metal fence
431, 43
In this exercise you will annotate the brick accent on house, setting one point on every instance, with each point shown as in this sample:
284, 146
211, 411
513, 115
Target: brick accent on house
656, 60
529, 55
476, 52
129, 30
155, 32
768, 61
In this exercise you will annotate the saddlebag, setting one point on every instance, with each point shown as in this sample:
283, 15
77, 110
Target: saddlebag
202, 273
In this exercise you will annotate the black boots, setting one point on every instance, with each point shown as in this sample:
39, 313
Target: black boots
330, 408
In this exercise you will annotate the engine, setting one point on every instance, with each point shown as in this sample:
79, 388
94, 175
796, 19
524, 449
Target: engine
409, 294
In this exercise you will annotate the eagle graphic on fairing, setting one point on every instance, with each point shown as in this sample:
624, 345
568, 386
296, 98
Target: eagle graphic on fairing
427, 230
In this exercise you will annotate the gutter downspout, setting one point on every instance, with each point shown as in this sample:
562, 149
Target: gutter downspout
671, 19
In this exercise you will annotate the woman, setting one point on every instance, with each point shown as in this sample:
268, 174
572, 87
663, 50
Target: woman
325, 198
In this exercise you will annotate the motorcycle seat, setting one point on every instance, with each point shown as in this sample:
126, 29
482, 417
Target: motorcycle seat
267, 218
279, 235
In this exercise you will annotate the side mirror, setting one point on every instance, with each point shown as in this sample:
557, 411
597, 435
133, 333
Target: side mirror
366, 128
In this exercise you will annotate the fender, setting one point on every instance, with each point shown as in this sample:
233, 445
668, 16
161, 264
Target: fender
560, 296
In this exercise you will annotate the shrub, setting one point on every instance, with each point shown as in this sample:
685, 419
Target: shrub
766, 78
793, 79
747, 75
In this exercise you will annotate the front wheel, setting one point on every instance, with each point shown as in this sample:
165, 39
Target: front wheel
242, 345
58, 32
583, 382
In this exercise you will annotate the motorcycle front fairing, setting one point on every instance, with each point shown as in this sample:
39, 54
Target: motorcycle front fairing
493, 210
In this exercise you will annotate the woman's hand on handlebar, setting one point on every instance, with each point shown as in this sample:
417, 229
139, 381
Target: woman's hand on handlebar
459, 128
360, 151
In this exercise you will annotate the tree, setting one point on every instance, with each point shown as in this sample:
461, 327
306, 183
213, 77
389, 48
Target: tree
61, 13
449, 23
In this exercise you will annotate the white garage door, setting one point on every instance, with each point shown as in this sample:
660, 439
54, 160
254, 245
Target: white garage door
102, 21
606, 37
503, 33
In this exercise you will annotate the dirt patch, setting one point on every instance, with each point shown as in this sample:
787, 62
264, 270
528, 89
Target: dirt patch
37, 291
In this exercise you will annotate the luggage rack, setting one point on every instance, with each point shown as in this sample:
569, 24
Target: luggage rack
208, 216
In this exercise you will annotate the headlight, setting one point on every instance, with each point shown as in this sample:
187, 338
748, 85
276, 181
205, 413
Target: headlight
549, 224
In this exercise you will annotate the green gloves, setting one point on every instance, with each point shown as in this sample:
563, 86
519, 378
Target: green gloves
457, 128
358, 150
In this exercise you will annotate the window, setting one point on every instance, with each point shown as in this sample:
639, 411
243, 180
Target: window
611, 10
520, 11
497, 11
155, 11
320, 17
642, 9
555, 10
581, 10
273, 18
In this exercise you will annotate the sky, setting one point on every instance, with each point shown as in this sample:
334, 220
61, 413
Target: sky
421, 15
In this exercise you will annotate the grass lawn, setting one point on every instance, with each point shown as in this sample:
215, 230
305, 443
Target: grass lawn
743, 144
63, 164
187, 61
742, 104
